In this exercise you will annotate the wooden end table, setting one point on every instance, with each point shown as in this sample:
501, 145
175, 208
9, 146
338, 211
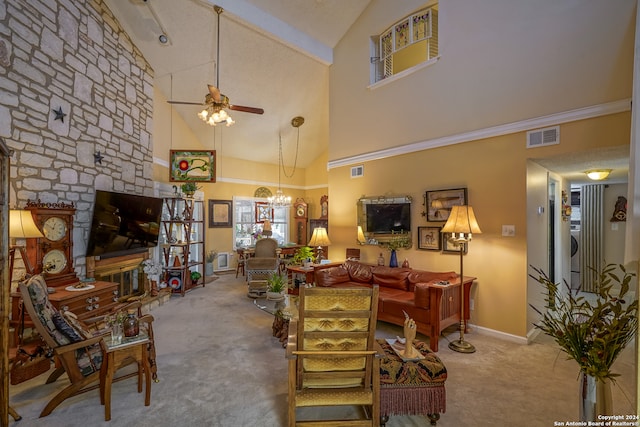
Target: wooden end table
119, 355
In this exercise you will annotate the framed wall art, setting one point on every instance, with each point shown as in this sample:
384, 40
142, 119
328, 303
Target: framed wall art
449, 246
220, 213
192, 166
264, 212
439, 203
429, 238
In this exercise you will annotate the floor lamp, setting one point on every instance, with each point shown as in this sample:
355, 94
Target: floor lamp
319, 239
461, 224
21, 226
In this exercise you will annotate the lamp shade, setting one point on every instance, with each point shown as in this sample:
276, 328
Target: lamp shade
319, 237
21, 225
361, 238
266, 226
461, 220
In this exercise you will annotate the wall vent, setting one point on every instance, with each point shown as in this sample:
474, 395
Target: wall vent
543, 137
357, 171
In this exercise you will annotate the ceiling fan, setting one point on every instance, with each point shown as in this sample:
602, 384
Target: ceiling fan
215, 102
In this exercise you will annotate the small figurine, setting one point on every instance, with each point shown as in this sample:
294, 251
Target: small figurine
380, 259
409, 335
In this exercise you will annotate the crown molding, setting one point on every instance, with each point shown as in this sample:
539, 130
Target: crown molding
490, 132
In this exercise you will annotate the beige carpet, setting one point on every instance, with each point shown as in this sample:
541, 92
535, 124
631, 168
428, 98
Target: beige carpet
219, 366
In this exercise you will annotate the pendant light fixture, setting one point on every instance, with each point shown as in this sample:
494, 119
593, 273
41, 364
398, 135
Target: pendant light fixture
280, 199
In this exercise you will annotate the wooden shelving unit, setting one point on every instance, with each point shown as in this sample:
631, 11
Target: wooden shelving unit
183, 248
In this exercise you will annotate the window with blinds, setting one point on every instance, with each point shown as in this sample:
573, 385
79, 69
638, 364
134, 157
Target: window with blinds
409, 42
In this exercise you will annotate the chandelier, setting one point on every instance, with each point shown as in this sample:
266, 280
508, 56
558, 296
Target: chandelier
280, 199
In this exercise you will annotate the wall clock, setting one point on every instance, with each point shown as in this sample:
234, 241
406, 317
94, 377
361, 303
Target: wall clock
324, 207
300, 221
52, 255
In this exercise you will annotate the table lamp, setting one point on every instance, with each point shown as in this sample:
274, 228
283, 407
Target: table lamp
266, 228
21, 226
461, 224
319, 239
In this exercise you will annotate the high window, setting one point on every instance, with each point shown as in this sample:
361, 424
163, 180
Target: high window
248, 213
410, 42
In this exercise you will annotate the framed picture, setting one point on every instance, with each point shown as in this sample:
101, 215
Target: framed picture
449, 246
263, 212
439, 203
192, 166
220, 213
429, 238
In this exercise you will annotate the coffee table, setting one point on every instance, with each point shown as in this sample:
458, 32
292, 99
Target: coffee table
282, 310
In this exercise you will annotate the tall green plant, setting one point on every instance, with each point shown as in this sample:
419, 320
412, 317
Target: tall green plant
593, 334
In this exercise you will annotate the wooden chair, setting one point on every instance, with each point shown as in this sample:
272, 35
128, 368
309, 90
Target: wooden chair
333, 355
78, 352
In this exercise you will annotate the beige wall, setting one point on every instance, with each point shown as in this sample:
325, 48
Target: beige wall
500, 62
494, 171
234, 177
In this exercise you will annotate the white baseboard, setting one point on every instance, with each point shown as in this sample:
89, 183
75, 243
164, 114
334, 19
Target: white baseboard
499, 334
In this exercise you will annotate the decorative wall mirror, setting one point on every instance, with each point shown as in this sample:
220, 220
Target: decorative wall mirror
384, 219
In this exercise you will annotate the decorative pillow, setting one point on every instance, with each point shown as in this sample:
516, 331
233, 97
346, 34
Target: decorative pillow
77, 325
65, 328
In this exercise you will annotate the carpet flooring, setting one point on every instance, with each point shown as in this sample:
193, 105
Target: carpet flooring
219, 365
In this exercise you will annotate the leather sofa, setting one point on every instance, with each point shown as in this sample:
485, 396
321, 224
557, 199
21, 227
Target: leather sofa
431, 299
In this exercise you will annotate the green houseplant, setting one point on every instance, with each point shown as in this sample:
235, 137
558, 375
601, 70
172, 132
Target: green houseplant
276, 285
591, 333
189, 188
302, 254
195, 276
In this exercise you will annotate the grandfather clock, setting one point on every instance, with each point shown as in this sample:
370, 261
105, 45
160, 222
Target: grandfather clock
300, 221
52, 255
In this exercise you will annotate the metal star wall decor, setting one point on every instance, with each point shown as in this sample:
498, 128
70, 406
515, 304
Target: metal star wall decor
97, 158
59, 114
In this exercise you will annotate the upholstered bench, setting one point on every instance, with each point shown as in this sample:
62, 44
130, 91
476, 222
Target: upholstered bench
411, 387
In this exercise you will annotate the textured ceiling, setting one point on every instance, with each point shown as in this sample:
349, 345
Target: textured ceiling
274, 54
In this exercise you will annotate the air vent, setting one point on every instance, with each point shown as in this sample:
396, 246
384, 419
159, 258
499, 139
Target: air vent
357, 171
542, 137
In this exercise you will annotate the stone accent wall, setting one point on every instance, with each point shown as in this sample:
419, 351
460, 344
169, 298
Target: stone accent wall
74, 56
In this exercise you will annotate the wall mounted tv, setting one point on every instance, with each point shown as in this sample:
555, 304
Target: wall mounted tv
123, 224
388, 217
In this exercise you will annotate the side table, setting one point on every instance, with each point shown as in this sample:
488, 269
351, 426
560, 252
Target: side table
411, 387
283, 310
119, 355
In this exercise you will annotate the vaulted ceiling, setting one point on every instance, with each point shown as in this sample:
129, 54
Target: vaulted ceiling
274, 54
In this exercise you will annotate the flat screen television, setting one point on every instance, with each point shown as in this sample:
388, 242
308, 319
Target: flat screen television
123, 224
388, 217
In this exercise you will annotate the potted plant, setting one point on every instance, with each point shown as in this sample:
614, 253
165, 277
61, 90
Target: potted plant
189, 188
399, 241
276, 285
591, 333
302, 255
209, 258
195, 276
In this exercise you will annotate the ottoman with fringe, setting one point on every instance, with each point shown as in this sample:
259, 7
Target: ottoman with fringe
412, 387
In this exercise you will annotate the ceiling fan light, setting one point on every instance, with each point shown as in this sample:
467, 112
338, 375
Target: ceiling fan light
598, 174
203, 114
230, 121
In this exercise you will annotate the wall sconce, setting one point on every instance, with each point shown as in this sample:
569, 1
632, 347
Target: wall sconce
598, 174
361, 239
